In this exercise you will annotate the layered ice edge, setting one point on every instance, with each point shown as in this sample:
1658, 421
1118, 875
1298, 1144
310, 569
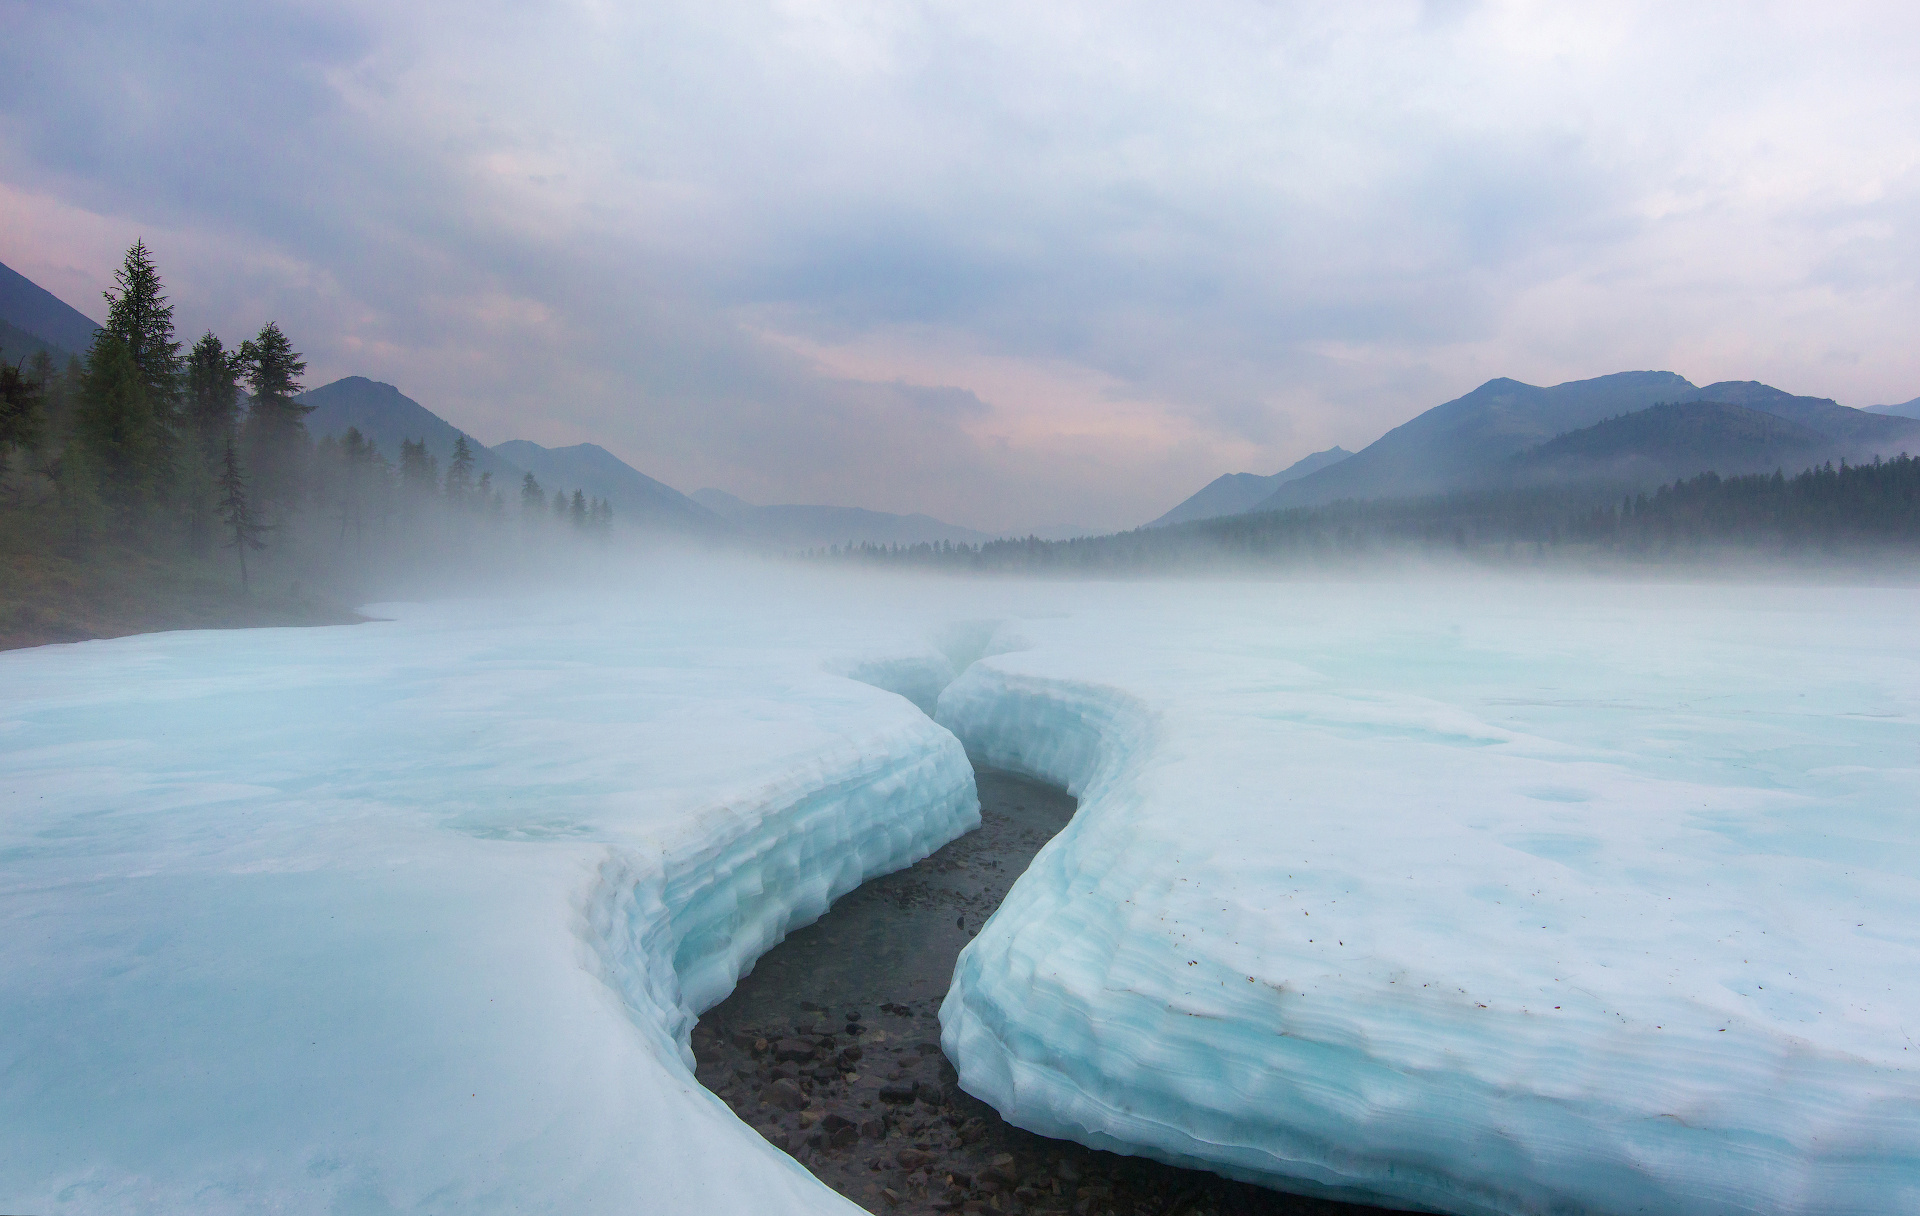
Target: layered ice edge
1077, 1014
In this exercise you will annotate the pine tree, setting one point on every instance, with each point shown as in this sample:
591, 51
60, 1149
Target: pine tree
275, 434
139, 315
460, 473
559, 504
237, 513
532, 497
23, 421
213, 394
578, 511
116, 428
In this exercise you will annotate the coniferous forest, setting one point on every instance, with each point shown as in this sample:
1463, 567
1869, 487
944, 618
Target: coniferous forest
1850, 513
152, 484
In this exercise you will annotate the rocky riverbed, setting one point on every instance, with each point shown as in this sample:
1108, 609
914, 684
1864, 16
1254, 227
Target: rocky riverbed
831, 1050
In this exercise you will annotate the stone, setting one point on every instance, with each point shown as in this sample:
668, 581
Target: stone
929, 1093
874, 1129
896, 1093
808, 1118
845, 1137
786, 1095
834, 1123
788, 1050
912, 1158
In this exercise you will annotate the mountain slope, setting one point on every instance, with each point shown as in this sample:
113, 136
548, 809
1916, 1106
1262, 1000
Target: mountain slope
1855, 434
636, 498
807, 527
388, 416
1232, 493
1906, 409
1460, 442
41, 313
17, 345
1670, 442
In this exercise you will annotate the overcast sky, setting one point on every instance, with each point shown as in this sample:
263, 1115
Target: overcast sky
1012, 264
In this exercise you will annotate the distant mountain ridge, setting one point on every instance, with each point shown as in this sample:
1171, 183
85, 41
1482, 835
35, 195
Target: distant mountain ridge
1483, 439
389, 417
795, 526
1906, 409
1232, 493
601, 474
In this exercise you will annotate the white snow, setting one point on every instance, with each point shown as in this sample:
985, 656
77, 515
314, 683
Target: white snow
1510, 898
1551, 899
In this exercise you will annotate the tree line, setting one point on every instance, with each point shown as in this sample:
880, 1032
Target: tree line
1866, 509
193, 450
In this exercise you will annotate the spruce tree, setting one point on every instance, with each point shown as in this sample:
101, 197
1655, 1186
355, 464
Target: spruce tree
237, 513
532, 497
460, 473
213, 394
116, 428
559, 504
23, 420
139, 315
275, 435
578, 511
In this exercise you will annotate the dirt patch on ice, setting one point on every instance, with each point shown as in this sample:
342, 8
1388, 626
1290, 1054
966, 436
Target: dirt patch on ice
831, 1050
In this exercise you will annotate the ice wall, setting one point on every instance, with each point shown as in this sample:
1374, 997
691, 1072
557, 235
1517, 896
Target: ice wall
1601, 901
414, 916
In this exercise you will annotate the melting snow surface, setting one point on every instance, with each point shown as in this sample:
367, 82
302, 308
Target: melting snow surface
1498, 899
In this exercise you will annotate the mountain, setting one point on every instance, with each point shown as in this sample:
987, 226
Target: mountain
1855, 434
1232, 493
1670, 442
29, 306
600, 474
17, 345
389, 417
1906, 409
808, 527
1483, 438
1459, 443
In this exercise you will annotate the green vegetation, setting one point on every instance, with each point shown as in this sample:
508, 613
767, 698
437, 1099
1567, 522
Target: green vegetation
146, 488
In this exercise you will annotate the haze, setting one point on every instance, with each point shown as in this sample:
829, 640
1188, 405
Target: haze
1011, 265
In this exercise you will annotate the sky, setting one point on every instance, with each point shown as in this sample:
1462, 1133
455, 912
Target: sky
1015, 265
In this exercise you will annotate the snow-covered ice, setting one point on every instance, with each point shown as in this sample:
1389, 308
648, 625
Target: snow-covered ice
1507, 898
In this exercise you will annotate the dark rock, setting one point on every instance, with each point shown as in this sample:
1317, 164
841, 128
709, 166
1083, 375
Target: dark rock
927, 1049
785, 1094
845, 1137
929, 1093
787, 1050
874, 1129
912, 1158
834, 1123
849, 1056
896, 1094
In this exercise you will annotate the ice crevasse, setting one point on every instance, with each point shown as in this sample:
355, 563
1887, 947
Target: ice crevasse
1601, 904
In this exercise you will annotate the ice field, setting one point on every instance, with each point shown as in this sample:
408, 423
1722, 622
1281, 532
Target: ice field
1495, 898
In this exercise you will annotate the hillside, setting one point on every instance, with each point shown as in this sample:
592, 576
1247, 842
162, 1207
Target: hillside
1906, 409
389, 417
31, 307
1232, 493
600, 474
1457, 444
810, 527
1672, 441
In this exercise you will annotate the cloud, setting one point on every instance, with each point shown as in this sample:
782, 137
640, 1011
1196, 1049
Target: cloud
1009, 264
